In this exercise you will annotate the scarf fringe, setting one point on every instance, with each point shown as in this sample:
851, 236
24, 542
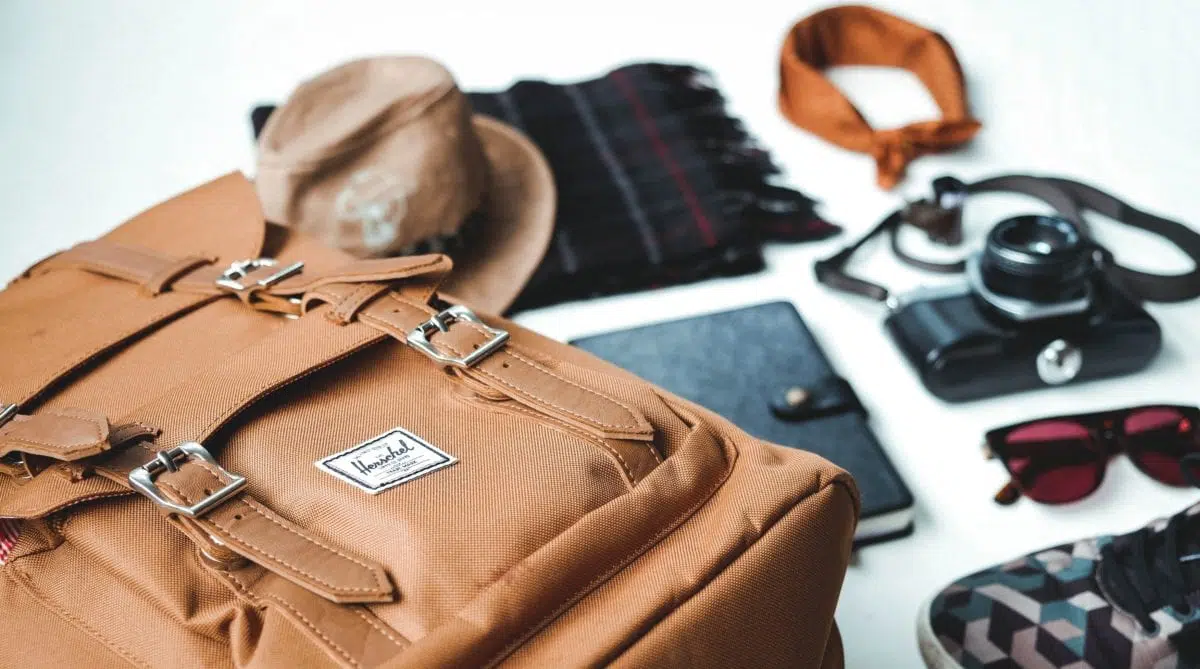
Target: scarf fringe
741, 166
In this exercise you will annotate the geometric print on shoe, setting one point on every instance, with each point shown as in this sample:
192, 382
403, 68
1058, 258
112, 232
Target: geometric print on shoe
1043, 611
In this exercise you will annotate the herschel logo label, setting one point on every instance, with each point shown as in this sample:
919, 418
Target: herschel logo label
387, 461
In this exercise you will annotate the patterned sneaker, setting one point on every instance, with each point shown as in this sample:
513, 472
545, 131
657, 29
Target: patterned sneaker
1125, 602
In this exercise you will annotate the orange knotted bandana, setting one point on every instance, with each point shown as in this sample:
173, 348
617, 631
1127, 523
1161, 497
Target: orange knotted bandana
859, 35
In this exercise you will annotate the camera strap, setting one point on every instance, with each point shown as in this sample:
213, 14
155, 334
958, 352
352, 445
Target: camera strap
942, 221
1146, 285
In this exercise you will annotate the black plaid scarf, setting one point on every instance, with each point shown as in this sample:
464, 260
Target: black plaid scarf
657, 184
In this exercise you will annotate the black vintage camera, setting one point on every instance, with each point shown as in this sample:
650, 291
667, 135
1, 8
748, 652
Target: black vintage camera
1038, 309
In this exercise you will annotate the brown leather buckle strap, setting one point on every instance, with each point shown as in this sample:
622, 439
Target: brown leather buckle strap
419, 338
63, 434
144, 480
154, 273
239, 522
49, 354
369, 316
267, 284
68, 437
187, 482
504, 368
30, 444
243, 525
199, 494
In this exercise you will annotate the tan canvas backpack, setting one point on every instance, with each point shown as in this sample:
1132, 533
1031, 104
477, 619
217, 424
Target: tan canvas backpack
209, 461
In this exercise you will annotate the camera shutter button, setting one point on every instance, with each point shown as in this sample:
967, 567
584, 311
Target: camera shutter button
1059, 362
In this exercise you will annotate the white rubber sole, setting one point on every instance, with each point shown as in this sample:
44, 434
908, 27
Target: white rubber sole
932, 652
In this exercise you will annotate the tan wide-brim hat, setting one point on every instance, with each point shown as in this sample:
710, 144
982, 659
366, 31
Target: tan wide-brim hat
383, 156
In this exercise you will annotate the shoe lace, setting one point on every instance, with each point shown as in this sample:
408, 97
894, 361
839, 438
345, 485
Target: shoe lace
1147, 572
1148, 569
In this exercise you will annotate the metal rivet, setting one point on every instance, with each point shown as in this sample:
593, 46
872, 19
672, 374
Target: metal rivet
1059, 362
796, 396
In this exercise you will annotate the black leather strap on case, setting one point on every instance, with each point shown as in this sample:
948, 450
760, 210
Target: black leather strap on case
1070, 199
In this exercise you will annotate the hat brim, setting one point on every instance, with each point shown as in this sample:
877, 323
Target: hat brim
518, 210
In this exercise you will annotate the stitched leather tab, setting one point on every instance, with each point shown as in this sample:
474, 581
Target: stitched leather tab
64, 434
532, 383
352, 634
248, 528
258, 534
152, 271
351, 287
373, 270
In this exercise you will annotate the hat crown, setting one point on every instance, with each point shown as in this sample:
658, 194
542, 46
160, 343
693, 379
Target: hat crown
374, 156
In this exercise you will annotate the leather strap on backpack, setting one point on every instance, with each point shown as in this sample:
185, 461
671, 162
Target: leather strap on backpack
264, 283
64, 434
199, 495
351, 289
352, 307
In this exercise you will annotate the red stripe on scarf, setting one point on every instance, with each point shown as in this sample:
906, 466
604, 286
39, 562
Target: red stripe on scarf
664, 153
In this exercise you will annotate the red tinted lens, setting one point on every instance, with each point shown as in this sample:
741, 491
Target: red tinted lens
1054, 460
1156, 439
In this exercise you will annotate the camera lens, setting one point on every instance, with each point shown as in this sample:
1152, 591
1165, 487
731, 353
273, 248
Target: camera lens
1042, 259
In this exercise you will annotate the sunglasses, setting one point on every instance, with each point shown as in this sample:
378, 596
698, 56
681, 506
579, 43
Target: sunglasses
1062, 459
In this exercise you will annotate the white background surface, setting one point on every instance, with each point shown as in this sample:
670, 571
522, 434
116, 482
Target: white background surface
106, 108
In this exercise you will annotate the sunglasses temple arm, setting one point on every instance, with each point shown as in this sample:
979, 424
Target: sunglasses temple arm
1009, 494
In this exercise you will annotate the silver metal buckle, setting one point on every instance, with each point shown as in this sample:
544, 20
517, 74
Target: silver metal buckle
231, 278
419, 337
7, 413
142, 479
14, 459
